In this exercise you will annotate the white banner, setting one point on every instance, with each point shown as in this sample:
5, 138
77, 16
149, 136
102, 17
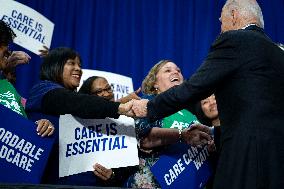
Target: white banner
33, 30
84, 142
120, 84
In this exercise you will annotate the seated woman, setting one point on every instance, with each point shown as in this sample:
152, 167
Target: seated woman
154, 137
56, 95
99, 86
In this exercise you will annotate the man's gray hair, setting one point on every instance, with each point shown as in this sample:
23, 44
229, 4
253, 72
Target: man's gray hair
248, 9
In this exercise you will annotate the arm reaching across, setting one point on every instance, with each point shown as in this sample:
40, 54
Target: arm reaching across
197, 136
133, 95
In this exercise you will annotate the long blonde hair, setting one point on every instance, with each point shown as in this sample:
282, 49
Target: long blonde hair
150, 80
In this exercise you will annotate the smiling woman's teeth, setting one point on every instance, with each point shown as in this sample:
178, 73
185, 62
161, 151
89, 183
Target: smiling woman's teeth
77, 76
174, 79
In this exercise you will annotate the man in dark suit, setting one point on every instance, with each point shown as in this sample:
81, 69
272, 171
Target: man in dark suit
245, 71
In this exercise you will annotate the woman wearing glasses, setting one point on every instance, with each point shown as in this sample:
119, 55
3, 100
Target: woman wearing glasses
99, 86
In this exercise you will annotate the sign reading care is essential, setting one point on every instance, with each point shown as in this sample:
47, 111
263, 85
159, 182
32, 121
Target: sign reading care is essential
33, 30
84, 142
23, 154
120, 84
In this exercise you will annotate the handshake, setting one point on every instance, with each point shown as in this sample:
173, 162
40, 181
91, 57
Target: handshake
134, 108
197, 135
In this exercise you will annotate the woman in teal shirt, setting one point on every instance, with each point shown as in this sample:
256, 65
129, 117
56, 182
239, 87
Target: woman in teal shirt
155, 137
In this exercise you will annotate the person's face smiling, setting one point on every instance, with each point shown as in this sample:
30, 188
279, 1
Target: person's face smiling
209, 107
101, 87
72, 73
168, 76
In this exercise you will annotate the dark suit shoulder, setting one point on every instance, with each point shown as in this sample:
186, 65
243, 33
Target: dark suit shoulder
244, 34
238, 37
226, 40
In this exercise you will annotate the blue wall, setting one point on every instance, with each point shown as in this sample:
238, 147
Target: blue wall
129, 36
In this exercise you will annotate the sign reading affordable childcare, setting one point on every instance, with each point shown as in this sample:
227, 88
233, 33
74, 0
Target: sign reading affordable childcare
23, 154
33, 30
84, 142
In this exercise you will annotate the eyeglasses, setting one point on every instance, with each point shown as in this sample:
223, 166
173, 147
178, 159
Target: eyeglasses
101, 91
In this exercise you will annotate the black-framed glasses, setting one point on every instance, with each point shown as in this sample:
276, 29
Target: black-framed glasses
101, 91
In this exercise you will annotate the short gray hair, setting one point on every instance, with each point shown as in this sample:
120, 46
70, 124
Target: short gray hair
248, 8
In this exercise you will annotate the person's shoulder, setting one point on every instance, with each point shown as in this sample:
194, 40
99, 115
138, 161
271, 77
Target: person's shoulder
240, 34
230, 35
235, 37
44, 86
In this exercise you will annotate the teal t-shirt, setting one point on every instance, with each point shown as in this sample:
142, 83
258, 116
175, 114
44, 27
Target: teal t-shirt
10, 98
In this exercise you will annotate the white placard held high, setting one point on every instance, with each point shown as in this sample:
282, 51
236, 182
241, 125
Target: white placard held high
33, 30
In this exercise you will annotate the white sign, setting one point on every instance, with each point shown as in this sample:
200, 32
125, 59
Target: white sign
84, 142
120, 84
33, 30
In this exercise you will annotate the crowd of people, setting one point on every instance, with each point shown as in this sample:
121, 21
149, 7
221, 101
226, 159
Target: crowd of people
243, 72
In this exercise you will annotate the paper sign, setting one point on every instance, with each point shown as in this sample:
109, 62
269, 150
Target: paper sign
84, 142
33, 30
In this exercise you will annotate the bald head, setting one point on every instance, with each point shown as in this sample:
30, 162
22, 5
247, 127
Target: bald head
236, 14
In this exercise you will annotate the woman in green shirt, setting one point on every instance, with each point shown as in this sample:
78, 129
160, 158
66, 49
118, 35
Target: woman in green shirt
155, 137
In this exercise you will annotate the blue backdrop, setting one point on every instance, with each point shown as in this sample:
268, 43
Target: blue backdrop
129, 36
